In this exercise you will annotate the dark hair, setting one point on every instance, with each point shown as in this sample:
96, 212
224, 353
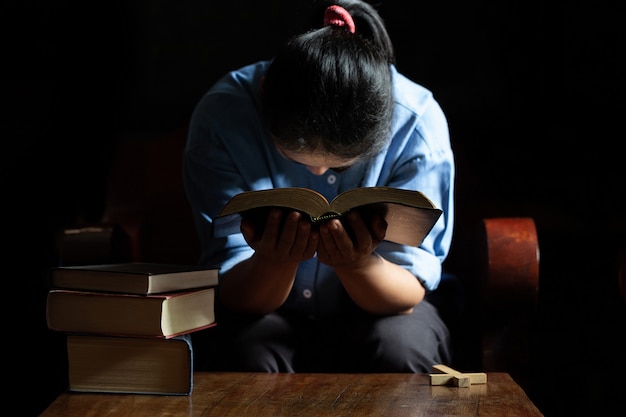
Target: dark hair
329, 90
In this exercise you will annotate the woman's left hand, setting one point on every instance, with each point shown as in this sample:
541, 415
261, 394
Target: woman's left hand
347, 248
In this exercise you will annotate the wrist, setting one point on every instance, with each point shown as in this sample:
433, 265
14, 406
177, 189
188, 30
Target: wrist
360, 267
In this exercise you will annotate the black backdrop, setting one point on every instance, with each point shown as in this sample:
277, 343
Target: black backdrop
534, 92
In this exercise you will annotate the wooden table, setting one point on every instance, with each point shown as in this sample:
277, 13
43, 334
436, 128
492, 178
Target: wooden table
274, 395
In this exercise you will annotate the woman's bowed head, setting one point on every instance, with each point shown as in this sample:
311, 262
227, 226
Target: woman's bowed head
329, 91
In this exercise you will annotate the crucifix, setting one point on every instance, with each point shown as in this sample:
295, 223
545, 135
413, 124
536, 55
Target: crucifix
444, 375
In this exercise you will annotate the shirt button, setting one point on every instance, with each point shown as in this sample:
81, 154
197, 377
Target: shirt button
331, 179
307, 293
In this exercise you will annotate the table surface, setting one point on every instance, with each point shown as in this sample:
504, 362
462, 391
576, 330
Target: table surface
273, 395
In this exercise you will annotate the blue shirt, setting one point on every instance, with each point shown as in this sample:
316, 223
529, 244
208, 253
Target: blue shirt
229, 151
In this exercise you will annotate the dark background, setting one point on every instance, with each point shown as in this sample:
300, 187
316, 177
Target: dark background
534, 93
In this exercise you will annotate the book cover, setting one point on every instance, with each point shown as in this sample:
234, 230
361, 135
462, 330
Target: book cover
133, 277
157, 315
409, 214
128, 365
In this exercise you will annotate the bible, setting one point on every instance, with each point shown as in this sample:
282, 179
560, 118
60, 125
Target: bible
163, 315
130, 365
409, 214
142, 278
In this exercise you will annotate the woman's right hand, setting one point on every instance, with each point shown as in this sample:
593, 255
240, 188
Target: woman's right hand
287, 237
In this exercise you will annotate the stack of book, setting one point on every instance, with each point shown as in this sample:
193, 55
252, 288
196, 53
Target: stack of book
129, 325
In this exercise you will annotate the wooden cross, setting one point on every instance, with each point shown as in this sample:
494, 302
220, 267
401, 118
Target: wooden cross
443, 375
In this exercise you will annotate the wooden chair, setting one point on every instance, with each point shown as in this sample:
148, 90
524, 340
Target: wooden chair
146, 216
492, 289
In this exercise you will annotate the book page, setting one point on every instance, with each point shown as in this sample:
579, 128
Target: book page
301, 199
361, 196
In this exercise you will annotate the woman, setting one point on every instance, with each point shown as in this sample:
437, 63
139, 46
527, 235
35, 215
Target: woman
330, 112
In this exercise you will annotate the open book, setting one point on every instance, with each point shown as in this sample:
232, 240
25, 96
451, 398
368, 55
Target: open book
409, 214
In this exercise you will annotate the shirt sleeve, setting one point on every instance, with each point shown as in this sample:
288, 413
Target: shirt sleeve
420, 157
225, 154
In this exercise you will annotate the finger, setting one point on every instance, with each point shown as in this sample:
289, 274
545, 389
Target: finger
322, 249
340, 238
271, 231
288, 232
312, 244
248, 230
301, 239
379, 229
326, 239
362, 235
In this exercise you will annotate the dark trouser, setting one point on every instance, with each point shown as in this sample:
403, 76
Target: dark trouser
356, 342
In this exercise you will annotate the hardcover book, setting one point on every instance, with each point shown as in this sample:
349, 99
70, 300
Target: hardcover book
409, 214
157, 315
133, 277
130, 365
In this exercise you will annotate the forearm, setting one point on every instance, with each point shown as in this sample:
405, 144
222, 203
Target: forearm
381, 287
257, 285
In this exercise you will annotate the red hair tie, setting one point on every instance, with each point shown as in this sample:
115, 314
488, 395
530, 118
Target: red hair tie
338, 16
